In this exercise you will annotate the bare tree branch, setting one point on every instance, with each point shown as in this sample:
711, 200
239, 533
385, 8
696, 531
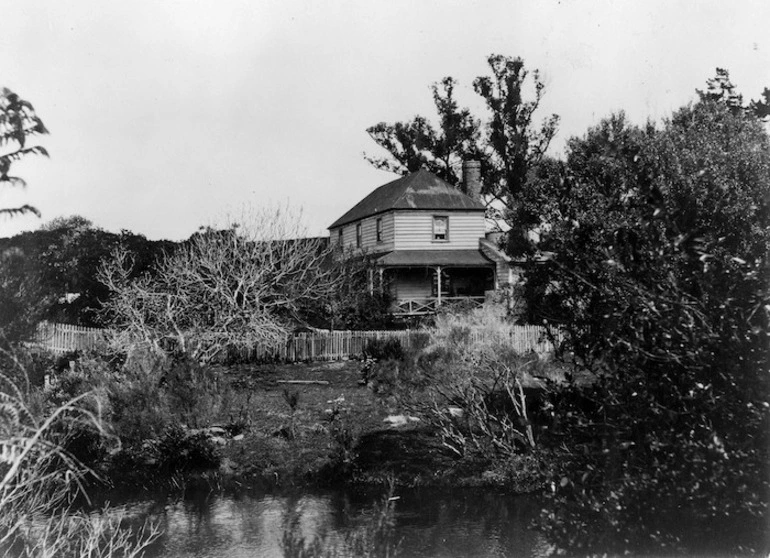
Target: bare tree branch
232, 287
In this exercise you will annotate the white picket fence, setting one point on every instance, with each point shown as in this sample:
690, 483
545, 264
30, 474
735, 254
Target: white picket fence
325, 345
65, 338
340, 345
523, 339
301, 347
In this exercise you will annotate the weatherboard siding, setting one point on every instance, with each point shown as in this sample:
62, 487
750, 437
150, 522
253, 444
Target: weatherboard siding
412, 284
414, 230
368, 234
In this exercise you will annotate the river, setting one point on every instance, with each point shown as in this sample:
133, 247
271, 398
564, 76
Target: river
427, 522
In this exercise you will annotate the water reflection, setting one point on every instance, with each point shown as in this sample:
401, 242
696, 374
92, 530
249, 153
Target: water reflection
428, 523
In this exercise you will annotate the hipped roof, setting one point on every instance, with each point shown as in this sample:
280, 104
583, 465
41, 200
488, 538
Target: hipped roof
419, 190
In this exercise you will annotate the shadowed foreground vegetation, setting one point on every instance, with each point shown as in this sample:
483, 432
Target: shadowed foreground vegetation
41, 479
449, 413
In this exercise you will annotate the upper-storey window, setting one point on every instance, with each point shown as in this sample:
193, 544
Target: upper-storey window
358, 235
339, 236
440, 228
379, 230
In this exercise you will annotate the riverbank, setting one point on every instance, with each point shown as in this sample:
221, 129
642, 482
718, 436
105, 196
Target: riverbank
316, 424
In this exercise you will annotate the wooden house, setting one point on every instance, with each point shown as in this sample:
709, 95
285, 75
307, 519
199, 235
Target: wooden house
427, 241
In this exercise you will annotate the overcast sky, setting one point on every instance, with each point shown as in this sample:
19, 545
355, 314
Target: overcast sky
167, 115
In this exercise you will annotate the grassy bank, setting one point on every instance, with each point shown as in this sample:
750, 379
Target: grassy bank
458, 409
317, 424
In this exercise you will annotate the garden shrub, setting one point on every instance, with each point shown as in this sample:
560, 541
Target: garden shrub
384, 349
87, 380
195, 394
37, 365
485, 398
386, 378
177, 451
381, 358
68, 384
147, 400
474, 388
129, 398
342, 443
139, 410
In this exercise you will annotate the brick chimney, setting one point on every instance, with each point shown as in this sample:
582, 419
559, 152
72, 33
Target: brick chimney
472, 179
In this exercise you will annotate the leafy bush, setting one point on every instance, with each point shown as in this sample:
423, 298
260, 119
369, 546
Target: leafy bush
385, 377
384, 349
177, 451
475, 389
194, 393
343, 437
143, 396
382, 362
139, 410
658, 277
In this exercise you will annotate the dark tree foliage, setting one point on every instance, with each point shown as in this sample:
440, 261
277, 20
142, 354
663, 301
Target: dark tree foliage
658, 275
721, 89
358, 303
508, 142
514, 144
416, 144
56, 279
761, 108
355, 306
18, 122
21, 297
23, 300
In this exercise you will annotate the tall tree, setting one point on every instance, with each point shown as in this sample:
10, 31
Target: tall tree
508, 142
721, 89
415, 144
18, 121
20, 300
514, 143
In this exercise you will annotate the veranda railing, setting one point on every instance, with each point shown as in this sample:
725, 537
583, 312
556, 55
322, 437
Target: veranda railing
431, 304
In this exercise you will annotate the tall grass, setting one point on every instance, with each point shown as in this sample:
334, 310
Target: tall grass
477, 386
40, 479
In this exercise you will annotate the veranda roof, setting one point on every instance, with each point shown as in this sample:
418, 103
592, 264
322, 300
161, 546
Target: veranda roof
448, 258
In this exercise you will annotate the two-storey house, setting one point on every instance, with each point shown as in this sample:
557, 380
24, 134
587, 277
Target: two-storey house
427, 241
